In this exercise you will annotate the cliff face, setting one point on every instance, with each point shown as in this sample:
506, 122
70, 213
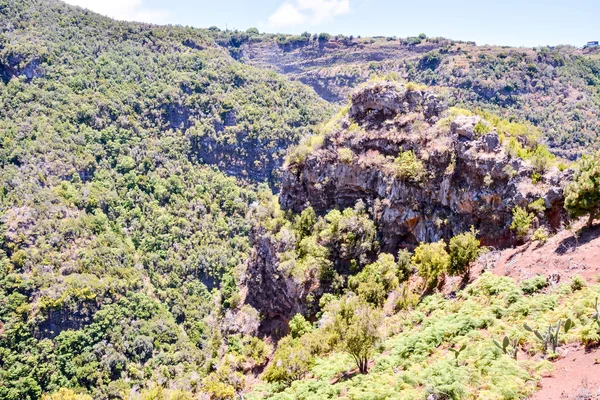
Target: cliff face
275, 294
424, 172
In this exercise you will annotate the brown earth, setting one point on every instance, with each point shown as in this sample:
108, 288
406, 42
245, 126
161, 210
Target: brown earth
576, 376
575, 251
568, 253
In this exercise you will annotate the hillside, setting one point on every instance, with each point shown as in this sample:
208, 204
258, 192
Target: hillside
181, 217
557, 89
120, 227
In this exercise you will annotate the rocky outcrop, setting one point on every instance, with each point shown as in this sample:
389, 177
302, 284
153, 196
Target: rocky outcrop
424, 174
276, 295
17, 65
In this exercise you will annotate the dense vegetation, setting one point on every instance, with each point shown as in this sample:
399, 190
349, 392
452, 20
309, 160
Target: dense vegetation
446, 347
118, 244
555, 88
135, 162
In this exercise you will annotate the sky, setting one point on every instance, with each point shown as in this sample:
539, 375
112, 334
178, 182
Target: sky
508, 22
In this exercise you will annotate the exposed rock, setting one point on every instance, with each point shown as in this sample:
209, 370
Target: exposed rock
268, 289
381, 101
17, 65
467, 180
464, 126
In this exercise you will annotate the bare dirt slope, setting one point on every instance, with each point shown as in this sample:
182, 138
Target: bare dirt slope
570, 252
576, 377
564, 255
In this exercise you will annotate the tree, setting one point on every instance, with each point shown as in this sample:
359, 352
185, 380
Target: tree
405, 265
432, 260
291, 361
324, 37
464, 249
305, 222
66, 394
582, 195
376, 280
354, 325
299, 326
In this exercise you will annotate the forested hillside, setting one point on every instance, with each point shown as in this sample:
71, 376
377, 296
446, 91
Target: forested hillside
555, 88
197, 214
120, 229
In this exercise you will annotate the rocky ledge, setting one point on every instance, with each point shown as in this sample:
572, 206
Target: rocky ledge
426, 172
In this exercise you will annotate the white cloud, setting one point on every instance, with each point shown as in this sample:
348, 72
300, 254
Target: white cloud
128, 10
312, 12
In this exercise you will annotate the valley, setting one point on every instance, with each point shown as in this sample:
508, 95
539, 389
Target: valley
205, 214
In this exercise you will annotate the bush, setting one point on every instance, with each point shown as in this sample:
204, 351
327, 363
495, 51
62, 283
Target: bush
432, 260
540, 235
481, 128
299, 326
521, 222
324, 37
408, 167
345, 155
582, 195
578, 283
376, 280
405, 265
464, 249
538, 206
534, 285
66, 394
291, 361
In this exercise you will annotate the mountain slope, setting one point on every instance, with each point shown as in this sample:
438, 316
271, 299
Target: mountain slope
118, 242
103, 74
557, 89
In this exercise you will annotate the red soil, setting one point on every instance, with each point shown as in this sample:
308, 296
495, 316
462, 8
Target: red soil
577, 372
576, 376
559, 259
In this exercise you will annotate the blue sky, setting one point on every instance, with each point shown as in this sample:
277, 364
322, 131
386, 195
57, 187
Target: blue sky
508, 22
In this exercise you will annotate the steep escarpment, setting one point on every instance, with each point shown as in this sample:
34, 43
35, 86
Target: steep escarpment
425, 173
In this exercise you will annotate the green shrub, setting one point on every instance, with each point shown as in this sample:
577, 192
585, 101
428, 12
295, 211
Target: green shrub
464, 249
376, 280
299, 326
521, 222
408, 167
540, 235
432, 260
324, 37
66, 394
292, 361
582, 195
345, 155
308, 146
534, 285
405, 265
481, 128
577, 283
538, 206
304, 223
